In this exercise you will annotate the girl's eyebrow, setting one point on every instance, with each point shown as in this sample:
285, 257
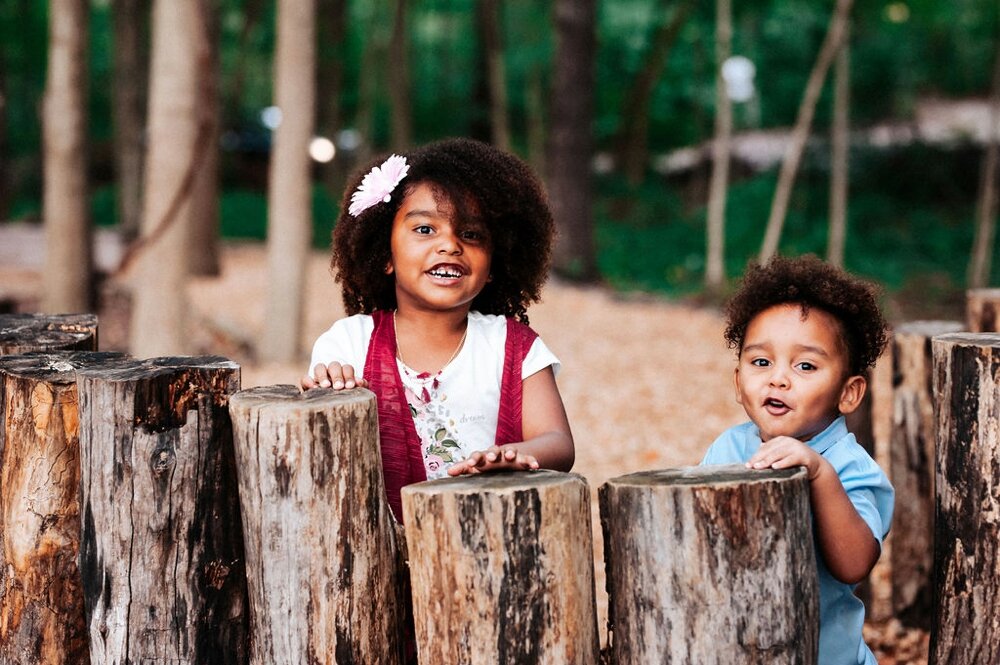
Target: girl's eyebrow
420, 213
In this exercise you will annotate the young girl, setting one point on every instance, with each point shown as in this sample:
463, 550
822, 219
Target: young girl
439, 254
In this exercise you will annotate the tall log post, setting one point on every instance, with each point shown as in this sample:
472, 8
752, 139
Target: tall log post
161, 545
20, 333
710, 565
982, 310
41, 598
502, 569
966, 628
325, 574
911, 469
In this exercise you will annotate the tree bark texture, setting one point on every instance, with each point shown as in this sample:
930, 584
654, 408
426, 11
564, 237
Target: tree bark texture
41, 597
982, 310
502, 569
911, 469
710, 565
128, 104
21, 333
68, 251
161, 553
966, 584
715, 241
324, 569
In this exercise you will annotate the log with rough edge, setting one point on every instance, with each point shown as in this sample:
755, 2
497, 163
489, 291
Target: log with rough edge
20, 333
41, 599
502, 569
982, 310
161, 546
965, 627
326, 577
911, 469
710, 565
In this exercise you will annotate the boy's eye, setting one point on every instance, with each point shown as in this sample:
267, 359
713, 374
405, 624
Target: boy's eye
423, 229
806, 366
760, 362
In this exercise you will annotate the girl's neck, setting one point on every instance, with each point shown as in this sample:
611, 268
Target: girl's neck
428, 341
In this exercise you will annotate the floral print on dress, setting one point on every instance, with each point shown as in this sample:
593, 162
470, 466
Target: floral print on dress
439, 440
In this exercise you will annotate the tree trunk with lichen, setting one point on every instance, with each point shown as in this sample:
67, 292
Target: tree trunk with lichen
41, 600
967, 500
502, 569
21, 333
710, 565
161, 553
324, 567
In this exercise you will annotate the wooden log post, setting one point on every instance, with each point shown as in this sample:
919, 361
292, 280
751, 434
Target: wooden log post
502, 569
41, 599
911, 469
711, 565
982, 310
161, 553
965, 629
326, 577
20, 333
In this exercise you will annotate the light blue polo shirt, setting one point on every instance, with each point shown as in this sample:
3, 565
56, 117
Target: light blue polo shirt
841, 614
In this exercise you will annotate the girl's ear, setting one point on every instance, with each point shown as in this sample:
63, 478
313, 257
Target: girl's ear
388, 268
852, 393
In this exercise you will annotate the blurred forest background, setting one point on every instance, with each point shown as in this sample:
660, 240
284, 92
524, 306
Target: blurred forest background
877, 118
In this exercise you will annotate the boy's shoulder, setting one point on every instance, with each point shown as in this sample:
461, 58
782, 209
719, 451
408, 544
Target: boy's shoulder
734, 445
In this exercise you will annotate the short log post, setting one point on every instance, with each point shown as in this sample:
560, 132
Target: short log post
161, 545
20, 333
982, 310
325, 575
502, 569
966, 628
911, 469
710, 565
41, 598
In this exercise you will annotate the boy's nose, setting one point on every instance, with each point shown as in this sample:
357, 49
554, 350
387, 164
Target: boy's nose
779, 378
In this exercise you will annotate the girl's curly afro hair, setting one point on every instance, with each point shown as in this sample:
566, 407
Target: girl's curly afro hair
487, 187
810, 282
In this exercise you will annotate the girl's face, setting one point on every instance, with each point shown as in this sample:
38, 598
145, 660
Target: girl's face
439, 262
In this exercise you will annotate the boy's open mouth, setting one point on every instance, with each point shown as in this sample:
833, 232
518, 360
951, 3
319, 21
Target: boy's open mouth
449, 271
776, 406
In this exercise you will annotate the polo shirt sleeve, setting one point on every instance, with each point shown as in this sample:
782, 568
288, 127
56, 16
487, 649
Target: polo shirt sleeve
728, 448
869, 490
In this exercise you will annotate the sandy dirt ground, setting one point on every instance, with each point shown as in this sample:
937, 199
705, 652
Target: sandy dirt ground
647, 382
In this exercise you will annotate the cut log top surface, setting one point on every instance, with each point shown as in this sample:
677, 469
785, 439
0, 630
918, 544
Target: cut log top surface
288, 396
55, 367
498, 482
40, 330
929, 328
991, 340
716, 474
131, 369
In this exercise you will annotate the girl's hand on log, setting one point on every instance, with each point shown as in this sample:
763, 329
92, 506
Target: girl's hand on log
334, 375
783, 452
497, 458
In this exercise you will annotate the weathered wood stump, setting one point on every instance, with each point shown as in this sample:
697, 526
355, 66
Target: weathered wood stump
982, 310
911, 469
41, 598
161, 546
966, 628
502, 569
710, 565
20, 333
325, 575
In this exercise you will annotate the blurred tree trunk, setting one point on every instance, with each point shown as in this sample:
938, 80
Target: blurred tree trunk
172, 159
632, 140
399, 78
127, 85
839, 153
5, 155
803, 123
289, 223
489, 14
535, 109
253, 11
331, 22
571, 139
203, 252
986, 203
715, 266
65, 204
364, 119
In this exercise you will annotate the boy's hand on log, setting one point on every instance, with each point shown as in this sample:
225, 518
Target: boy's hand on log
334, 375
497, 458
783, 452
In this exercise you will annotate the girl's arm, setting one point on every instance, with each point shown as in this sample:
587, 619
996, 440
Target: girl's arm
548, 442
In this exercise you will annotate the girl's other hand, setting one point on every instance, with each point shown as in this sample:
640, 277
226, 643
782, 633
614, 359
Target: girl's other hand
334, 375
497, 458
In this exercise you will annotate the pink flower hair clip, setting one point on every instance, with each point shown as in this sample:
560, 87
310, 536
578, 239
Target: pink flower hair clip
378, 184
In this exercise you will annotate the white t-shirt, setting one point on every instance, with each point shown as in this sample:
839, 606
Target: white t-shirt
455, 411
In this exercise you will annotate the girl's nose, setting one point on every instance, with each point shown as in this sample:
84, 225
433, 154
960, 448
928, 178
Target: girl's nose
449, 243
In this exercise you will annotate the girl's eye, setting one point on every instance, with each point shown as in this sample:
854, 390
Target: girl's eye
760, 362
472, 236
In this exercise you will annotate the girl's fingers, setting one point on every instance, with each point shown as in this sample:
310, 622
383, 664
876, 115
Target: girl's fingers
349, 380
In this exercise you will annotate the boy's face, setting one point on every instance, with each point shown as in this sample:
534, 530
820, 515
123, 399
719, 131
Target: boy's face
792, 375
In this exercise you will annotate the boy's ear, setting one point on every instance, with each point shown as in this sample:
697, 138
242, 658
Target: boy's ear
852, 393
736, 385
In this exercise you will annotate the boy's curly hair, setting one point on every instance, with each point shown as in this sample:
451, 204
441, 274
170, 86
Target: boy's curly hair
811, 282
486, 186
